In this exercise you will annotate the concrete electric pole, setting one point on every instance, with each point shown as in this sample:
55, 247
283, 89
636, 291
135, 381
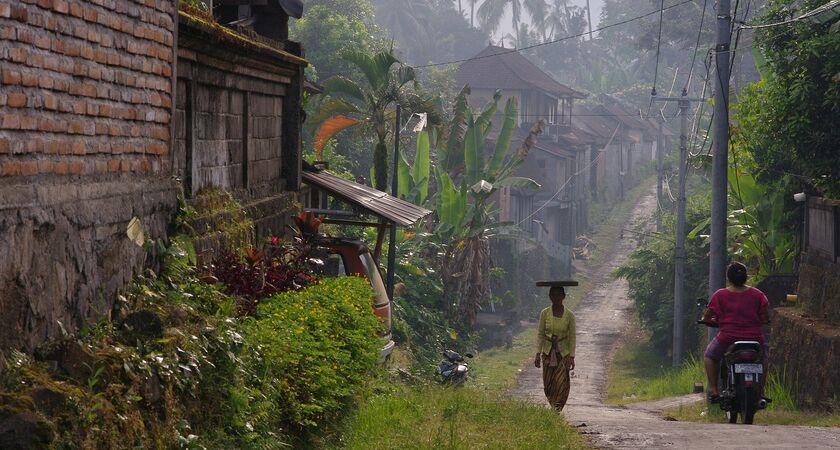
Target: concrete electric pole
679, 246
659, 156
720, 149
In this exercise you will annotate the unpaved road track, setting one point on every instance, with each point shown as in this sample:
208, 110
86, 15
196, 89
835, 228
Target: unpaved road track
601, 318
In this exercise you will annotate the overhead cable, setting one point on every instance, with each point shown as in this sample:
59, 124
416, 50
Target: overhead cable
554, 41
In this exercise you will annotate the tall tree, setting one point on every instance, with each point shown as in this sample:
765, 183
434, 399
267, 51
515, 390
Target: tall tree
491, 12
465, 213
407, 20
790, 119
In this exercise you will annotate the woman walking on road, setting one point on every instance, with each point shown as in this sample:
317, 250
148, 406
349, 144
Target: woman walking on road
556, 348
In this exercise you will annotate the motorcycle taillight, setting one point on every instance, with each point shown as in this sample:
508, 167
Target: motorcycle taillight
746, 355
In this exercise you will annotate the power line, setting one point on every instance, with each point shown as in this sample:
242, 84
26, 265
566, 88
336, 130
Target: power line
830, 5
696, 48
658, 44
554, 41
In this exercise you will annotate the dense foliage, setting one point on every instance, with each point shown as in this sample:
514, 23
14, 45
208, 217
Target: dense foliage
329, 28
426, 31
176, 368
790, 118
309, 351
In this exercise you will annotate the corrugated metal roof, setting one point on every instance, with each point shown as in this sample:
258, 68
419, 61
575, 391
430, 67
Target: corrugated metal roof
367, 198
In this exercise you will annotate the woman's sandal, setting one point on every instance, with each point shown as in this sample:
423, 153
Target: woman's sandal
714, 398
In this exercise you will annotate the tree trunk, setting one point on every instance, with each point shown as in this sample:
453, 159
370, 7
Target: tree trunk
466, 279
380, 166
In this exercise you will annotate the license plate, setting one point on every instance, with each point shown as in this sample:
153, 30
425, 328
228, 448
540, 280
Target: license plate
749, 368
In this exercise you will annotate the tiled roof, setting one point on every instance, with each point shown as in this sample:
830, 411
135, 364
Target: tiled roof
505, 69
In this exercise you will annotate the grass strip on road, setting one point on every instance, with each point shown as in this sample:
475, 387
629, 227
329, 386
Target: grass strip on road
638, 372
607, 232
701, 412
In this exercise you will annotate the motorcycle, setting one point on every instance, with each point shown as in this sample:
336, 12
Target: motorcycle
741, 376
453, 370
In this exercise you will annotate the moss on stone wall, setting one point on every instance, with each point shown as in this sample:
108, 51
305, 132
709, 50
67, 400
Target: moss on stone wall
819, 289
805, 351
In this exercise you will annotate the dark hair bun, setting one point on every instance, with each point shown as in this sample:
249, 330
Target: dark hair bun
736, 273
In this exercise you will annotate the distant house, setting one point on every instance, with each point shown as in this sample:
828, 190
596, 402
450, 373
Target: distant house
553, 214
635, 138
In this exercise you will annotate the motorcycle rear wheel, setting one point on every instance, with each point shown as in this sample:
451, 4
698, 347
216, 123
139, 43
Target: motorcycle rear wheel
732, 416
748, 405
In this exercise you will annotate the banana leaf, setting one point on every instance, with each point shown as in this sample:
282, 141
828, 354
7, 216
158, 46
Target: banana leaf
473, 149
420, 169
503, 141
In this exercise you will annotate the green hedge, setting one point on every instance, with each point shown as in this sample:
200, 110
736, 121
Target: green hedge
205, 378
310, 350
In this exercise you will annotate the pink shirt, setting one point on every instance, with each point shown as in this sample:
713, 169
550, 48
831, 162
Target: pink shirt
739, 314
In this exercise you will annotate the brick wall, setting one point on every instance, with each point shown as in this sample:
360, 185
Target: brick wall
85, 111
237, 120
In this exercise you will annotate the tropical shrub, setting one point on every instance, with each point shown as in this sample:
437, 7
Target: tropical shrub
309, 351
259, 273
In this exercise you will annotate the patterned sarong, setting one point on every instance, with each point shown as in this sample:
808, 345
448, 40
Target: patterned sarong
555, 371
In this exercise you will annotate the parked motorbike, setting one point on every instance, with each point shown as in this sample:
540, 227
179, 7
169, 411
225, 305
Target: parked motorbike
740, 379
453, 370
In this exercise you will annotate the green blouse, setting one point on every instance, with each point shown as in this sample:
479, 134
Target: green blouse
563, 327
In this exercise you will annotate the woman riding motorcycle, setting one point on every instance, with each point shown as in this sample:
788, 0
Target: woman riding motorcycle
741, 312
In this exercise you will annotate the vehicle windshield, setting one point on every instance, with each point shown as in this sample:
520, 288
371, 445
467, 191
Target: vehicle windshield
374, 277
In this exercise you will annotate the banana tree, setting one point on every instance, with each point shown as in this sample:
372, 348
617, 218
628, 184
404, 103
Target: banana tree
760, 222
759, 226
465, 213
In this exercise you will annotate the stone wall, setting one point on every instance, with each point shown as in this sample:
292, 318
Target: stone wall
805, 350
819, 267
237, 120
85, 108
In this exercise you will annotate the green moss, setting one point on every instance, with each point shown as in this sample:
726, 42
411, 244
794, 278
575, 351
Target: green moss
215, 216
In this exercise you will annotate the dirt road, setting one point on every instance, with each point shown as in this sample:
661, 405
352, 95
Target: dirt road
601, 318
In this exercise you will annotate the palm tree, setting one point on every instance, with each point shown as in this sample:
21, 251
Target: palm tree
491, 11
408, 20
369, 106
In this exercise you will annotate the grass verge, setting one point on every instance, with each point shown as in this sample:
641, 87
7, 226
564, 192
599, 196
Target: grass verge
638, 372
495, 369
434, 417
480, 415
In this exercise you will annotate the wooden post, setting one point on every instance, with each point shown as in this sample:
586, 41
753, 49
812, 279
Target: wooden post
380, 236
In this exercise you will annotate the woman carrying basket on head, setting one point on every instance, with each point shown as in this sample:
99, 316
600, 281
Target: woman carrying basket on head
556, 348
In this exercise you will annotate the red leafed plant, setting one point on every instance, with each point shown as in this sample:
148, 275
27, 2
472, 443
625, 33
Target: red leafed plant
260, 273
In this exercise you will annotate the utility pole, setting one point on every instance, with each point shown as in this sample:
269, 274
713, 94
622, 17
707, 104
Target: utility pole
392, 240
720, 157
659, 175
679, 247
